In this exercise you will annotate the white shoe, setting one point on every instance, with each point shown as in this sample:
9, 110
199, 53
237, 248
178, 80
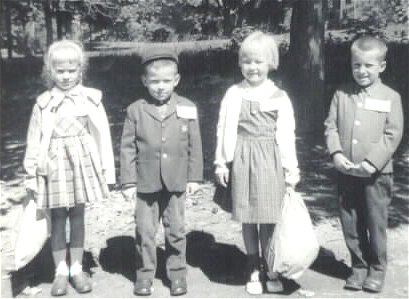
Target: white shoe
254, 286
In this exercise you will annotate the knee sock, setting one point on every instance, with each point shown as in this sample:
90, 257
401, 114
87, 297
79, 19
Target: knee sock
58, 240
77, 236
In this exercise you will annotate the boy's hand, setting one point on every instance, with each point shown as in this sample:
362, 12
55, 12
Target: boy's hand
368, 168
222, 178
191, 188
341, 162
129, 193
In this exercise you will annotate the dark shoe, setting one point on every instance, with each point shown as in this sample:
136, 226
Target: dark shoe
374, 282
143, 287
81, 283
60, 285
356, 280
178, 287
274, 286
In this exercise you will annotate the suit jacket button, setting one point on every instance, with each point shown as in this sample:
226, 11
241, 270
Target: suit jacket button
164, 156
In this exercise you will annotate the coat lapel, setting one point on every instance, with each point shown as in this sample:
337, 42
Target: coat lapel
152, 110
171, 107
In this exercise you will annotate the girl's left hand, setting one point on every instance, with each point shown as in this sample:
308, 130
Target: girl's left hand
222, 178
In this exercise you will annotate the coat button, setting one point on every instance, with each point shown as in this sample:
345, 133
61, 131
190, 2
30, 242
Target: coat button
354, 141
163, 139
357, 123
164, 156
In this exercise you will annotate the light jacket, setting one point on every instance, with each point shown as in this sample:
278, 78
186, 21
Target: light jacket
42, 124
365, 124
229, 115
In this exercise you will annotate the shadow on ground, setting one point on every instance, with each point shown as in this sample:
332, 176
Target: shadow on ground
327, 264
41, 270
222, 263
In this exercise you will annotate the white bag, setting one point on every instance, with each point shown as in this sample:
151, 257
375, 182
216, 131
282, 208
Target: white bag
33, 231
294, 246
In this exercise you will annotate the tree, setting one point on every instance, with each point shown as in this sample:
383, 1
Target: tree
305, 64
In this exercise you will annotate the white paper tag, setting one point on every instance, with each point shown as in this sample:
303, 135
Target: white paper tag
188, 112
377, 105
269, 105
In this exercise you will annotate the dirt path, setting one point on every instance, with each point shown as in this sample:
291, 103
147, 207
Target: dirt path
215, 255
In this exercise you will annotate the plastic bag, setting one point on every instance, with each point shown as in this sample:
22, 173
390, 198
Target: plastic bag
33, 230
294, 246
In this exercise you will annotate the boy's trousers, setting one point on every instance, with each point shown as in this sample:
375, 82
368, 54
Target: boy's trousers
150, 207
364, 217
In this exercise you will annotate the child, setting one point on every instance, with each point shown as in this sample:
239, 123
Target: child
363, 130
69, 158
161, 157
256, 133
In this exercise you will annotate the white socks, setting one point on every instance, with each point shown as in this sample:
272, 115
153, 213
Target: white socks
62, 269
76, 268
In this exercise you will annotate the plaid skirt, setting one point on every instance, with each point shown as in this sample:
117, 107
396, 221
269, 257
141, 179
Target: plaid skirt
74, 174
258, 186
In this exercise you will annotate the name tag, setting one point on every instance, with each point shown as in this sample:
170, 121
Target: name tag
377, 105
269, 105
188, 112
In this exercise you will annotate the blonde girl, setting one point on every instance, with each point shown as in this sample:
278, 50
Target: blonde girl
255, 133
69, 158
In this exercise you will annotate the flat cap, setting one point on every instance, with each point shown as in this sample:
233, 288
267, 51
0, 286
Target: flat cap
157, 53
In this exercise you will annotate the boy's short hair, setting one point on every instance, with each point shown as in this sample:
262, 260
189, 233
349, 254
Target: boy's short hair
370, 43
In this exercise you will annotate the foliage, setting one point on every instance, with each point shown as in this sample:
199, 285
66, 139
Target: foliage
377, 18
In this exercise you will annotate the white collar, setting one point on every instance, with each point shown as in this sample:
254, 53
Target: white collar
259, 93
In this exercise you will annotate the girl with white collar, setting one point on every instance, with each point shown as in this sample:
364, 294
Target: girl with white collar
255, 135
69, 158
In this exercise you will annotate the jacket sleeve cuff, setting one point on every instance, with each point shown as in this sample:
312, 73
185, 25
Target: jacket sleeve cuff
376, 167
334, 153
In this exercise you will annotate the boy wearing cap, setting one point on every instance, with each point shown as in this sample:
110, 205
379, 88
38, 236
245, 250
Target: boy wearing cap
363, 129
161, 160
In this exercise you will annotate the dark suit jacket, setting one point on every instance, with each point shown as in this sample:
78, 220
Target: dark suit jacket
365, 124
158, 150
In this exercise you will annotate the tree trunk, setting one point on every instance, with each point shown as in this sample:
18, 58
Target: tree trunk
8, 29
48, 21
306, 62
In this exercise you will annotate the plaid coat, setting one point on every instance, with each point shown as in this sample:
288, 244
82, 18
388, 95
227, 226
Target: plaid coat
41, 125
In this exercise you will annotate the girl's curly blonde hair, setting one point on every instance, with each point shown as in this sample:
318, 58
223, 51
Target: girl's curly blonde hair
57, 46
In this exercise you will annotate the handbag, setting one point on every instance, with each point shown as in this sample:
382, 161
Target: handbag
293, 246
33, 230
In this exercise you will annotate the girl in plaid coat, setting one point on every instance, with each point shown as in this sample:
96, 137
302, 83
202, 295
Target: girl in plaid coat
69, 158
255, 133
